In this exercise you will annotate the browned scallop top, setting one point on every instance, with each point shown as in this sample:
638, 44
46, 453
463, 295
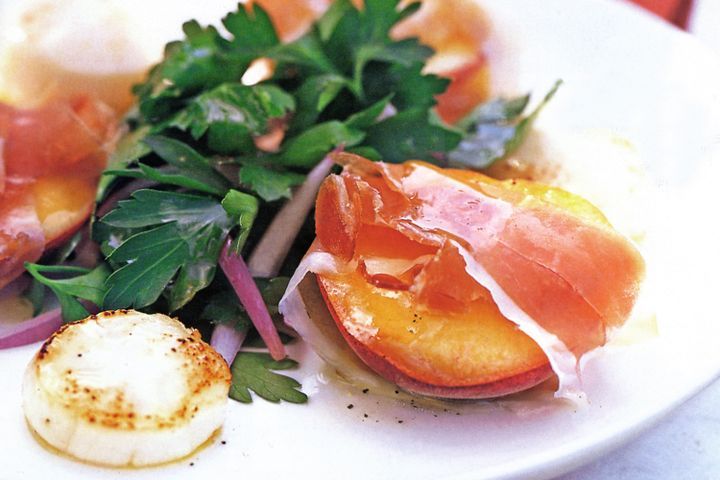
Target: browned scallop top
131, 371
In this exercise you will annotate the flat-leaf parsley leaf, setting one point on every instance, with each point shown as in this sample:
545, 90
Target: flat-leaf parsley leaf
254, 371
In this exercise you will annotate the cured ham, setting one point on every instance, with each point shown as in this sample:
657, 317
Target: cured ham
51, 159
60, 138
21, 236
459, 248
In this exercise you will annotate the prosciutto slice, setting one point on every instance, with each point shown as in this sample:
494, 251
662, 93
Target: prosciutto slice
61, 142
70, 137
21, 235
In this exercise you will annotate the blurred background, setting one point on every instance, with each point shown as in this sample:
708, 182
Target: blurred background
699, 17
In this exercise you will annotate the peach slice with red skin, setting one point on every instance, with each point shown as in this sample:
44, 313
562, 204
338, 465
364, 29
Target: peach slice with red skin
38, 216
62, 204
21, 234
428, 352
410, 303
51, 160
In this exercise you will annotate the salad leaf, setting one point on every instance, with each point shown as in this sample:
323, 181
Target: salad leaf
148, 260
272, 290
188, 66
252, 30
327, 24
254, 371
154, 207
164, 175
199, 272
129, 149
243, 209
497, 131
366, 118
309, 147
204, 60
495, 111
90, 285
223, 307
420, 139
306, 53
72, 309
232, 114
188, 162
525, 125
314, 95
411, 89
189, 240
35, 294
269, 184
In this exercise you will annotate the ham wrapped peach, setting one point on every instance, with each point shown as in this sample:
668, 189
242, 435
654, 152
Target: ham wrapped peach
452, 284
51, 160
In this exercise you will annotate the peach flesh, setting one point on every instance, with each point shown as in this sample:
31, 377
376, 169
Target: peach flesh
526, 371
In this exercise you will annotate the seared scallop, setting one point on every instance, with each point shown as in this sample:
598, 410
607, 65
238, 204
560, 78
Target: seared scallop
125, 388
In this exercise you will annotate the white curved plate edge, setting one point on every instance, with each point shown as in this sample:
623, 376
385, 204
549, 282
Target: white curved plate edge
629, 106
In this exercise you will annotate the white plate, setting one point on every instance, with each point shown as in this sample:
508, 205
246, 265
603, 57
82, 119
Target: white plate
622, 70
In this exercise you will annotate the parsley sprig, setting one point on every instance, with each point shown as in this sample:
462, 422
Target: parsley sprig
194, 134
254, 371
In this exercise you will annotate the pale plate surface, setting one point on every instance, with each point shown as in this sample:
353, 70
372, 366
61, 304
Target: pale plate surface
623, 71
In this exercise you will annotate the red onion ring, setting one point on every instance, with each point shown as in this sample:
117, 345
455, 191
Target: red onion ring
34, 330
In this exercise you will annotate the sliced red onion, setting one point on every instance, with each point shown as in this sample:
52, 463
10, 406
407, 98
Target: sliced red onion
269, 254
30, 331
242, 281
227, 340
